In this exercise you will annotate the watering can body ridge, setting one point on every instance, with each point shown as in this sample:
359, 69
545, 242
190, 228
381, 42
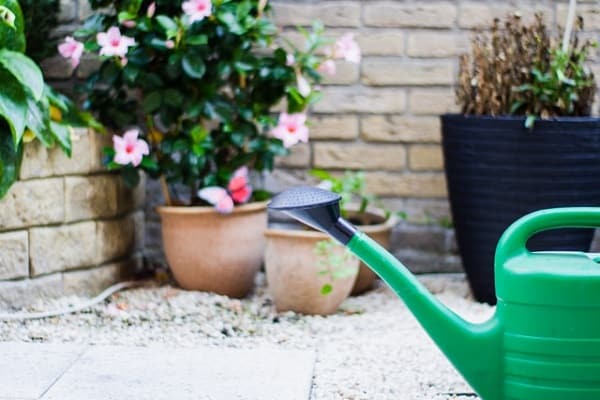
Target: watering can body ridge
543, 342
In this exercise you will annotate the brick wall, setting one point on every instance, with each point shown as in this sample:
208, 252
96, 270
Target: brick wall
382, 115
67, 226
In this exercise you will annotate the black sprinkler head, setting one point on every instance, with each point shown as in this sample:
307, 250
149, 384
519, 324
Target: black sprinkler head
317, 208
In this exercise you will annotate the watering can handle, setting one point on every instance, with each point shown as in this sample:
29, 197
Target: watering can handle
513, 241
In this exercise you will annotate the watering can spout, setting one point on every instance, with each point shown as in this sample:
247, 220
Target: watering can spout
474, 349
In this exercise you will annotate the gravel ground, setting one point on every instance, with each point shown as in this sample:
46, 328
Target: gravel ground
371, 349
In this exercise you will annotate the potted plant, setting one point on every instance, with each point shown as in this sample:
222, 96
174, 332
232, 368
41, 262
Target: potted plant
524, 140
309, 273
197, 80
364, 210
29, 109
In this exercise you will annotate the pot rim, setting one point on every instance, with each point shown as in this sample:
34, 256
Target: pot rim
388, 224
187, 210
563, 119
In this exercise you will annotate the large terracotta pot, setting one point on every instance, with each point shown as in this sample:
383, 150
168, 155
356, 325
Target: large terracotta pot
294, 264
213, 252
379, 229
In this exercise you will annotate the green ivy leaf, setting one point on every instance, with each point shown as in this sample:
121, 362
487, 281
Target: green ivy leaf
193, 66
62, 135
13, 104
25, 70
10, 160
38, 121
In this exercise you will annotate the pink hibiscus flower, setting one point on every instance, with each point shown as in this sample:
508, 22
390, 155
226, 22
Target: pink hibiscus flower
238, 191
130, 149
291, 129
197, 10
71, 49
347, 48
113, 43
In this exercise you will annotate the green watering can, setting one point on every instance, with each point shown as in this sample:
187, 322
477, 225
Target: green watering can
543, 343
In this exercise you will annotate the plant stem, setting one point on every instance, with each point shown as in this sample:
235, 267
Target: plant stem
569, 25
165, 191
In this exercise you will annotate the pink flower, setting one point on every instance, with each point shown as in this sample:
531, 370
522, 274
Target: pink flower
238, 191
169, 44
151, 10
328, 67
72, 49
130, 149
347, 48
113, 44
303, 85
239, 187
197, 10
290, 60
218, 197
291, 129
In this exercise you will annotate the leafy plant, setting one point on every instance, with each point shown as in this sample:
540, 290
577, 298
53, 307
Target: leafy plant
29, 109
351, 186
200, 79
332, 262
41, 17
519, 69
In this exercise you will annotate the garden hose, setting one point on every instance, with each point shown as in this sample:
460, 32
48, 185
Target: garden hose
72, 309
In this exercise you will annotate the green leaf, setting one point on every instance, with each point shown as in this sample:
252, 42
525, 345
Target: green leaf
7, 17
126, 16
168, 24
13, 104
173, 97
38, 121
13, 38
197, 40
25, 70
152, 102
131, 176
530, 121
193, 66
10, 160
62, 135
326, 289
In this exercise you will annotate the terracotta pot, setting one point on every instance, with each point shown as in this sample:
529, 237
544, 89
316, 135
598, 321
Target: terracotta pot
213, 252
380, 229
293, 271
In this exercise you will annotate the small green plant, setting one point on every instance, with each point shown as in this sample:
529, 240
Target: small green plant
351, 186
333, 263
519, 69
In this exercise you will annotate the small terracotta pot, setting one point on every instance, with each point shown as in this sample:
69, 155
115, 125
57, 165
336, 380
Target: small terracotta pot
213, 252
293, 271
381, 232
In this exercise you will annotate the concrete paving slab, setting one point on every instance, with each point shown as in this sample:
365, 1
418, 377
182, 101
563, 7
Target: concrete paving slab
162, 373
28, 370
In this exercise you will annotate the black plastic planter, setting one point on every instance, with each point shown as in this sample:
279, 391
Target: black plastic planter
497, 171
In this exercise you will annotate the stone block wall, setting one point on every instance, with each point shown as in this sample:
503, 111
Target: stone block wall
67, 226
